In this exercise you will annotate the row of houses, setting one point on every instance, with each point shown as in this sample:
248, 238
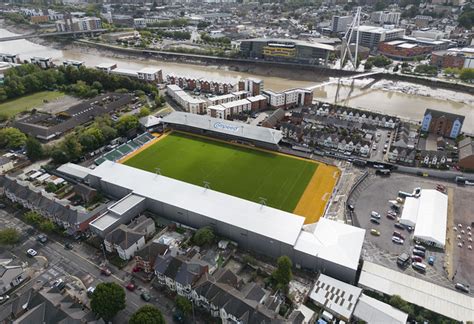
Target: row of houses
74, 219
149, 74
223, 294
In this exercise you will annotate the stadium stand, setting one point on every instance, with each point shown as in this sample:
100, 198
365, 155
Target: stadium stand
125, 148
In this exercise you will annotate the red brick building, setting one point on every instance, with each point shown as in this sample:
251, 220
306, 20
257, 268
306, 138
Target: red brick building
403, 50
445, 59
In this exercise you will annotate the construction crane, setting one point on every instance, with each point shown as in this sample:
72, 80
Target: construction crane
346, 41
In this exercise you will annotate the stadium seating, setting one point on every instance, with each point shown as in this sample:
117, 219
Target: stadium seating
125, 148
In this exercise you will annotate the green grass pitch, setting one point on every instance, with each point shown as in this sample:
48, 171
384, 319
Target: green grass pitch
237, 171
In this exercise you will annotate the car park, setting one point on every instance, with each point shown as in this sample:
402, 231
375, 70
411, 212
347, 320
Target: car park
397, 240
419, 253
42, 238
374, 232
375, 221
419, 266
462, 287
416, 258
31, 253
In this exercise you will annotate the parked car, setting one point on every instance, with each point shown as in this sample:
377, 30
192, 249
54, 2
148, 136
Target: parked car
31, 253
68, 246
390, 216
416, 258
145, 296
419, 266
398, 225
42, 238
462, 287
420, 247
375, 221
397, 240
130, 286
2, 206
105, 271
403, 259
4, 298
419, 253
398, 234
90, 291
350, 207
374, 214
374, 232
431, 260
409, 228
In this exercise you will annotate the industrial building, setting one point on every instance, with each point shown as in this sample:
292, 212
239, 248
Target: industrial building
428, 214
327, 246
286, 50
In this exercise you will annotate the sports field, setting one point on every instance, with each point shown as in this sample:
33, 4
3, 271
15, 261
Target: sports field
13, 107
238, 171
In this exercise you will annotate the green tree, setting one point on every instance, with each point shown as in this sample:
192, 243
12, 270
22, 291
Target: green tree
47, 226
34, 149
72, 147
33, 218
203, 236
9, 236
12, 138
147, 314
144, 111
466, 19
107, 300
283, 274
51, 187
467, 75
368, 66
184, 305
126, 123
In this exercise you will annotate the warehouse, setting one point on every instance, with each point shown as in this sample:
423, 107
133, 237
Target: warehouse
326, 246
227, 130
428, 214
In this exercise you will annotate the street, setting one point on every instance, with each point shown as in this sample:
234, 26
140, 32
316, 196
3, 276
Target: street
78, 265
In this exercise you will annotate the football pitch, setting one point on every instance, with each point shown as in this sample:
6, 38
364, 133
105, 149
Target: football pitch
239, 171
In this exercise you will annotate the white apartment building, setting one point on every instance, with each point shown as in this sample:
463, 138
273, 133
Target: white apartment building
189, 103
225, 110
386, 17
340, 23
371, 36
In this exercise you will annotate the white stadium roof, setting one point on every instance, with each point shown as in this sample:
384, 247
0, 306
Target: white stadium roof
410, 211
256, 133
374, 311
333, 241
266, 221
436, 298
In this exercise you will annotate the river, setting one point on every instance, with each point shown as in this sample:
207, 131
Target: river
407, 106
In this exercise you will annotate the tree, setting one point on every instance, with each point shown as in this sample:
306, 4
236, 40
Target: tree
12, 138
184, 305
203, 236
33, 218
34, 149
144, 111
282, 274
47, 226
467, 75
9, 236
147, 314
126, 123
72, 147
368, 66
107, 300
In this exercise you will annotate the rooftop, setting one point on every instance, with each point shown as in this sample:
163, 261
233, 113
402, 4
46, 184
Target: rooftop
74, 170
266, 221
292, 41
261, 134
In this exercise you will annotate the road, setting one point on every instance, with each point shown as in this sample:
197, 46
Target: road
82, 262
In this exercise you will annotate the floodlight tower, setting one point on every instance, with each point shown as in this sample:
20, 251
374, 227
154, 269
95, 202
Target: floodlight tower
346, 41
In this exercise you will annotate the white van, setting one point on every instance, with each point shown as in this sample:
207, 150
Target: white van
374, 214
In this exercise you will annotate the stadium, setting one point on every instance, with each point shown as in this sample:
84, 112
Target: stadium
236, 161
160, 180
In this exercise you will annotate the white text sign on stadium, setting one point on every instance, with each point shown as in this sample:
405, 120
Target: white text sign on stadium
227, 127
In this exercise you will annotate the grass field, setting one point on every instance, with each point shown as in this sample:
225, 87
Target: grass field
238, 171
13, 107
